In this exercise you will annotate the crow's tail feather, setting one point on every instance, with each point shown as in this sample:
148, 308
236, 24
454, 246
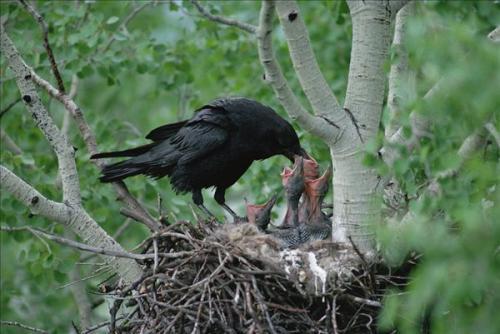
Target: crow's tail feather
126, 153
120, 171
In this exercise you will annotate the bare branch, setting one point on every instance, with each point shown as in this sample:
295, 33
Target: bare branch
6, 109
317, 90
18, 324
224, 20
75, 244
275, 77
399, 68
46, 44
9, 143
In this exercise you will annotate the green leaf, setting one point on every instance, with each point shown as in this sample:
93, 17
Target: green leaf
112, 19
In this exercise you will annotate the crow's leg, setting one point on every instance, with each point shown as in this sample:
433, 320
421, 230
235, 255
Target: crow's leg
220, 198
198, 200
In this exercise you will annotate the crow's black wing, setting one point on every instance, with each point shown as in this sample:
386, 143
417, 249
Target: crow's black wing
165, 131
203, 134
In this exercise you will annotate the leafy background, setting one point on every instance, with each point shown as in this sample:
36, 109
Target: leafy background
168, 61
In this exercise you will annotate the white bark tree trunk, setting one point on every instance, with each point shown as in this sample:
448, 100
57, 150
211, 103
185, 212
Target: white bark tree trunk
355, 197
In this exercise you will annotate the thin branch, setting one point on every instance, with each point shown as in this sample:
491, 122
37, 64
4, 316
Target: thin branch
274, 76
9, 143
6, 109
76, 244
125, 22
20, 325
317, 90
46, 44
366, 301
224, 20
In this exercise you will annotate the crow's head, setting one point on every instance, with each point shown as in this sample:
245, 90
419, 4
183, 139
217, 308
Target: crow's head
288, 143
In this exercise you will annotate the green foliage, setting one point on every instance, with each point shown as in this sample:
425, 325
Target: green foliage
457, 233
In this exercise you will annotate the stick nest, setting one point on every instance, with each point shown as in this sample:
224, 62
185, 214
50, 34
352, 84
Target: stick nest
209, 278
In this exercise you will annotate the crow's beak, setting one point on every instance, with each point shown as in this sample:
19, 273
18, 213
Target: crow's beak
291, 155
303, 153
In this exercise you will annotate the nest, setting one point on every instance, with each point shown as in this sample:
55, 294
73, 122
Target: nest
211, 278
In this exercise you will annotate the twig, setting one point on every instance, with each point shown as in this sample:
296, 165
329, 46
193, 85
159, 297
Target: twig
224, 20
9, 143
366, 301
6, 109
75, 244
124, 23
18, 324
46, 44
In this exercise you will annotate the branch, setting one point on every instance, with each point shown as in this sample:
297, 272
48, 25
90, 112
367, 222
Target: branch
399, 68
274, 76
6, 109
91, 144
75, 244
17, 324
419, 128
58, 142
317, 90
71, 213
46, 44
397, 5
73, 217
30, 197
494, 132
9, 143
494, 36
224, 20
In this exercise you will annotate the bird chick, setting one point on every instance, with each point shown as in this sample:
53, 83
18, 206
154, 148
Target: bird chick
314, 194
293, 181
260, 214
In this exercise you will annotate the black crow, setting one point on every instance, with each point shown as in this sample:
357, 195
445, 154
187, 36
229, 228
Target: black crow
212, 149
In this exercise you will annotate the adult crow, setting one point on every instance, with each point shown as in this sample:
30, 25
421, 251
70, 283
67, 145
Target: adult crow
212, 149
